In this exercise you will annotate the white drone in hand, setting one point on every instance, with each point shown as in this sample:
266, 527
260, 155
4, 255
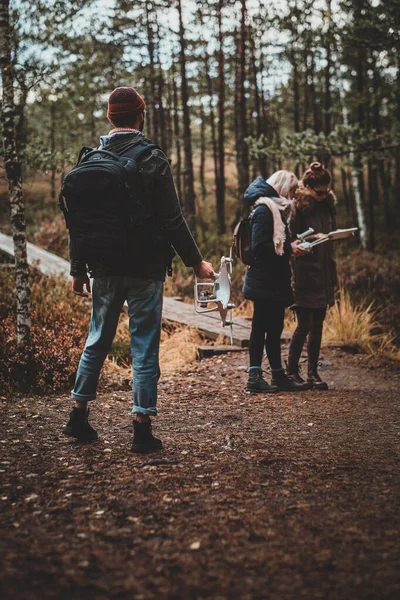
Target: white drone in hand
215, 296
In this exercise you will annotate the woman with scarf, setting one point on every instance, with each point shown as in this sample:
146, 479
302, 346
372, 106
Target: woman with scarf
267, 280
314, 274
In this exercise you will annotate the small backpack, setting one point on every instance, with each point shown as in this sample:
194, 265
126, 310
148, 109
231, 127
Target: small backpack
242, 241
101, 199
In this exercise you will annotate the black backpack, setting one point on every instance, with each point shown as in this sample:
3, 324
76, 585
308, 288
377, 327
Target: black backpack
242, 241
102, 201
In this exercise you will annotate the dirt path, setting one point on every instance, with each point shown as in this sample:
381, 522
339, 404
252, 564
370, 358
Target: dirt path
287, 496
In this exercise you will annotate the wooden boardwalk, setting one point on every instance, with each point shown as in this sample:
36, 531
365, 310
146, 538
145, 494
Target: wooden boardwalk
173, 310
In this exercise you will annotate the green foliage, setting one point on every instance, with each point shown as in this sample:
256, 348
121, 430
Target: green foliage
305, 146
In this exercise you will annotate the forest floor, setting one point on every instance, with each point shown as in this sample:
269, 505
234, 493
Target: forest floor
253, 497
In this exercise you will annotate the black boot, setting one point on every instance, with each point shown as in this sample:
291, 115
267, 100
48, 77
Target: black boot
78, 425
256, 383
313, 350
316, 382
284, 384
297, 378
143, 439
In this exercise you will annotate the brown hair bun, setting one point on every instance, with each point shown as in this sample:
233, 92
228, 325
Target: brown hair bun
317, 167
316, 175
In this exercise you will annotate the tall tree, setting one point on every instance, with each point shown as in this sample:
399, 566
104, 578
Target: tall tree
221, 120
14, 175
242, 155
189, 206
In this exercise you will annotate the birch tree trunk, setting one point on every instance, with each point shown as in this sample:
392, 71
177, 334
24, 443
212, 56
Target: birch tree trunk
355, 179
14, 176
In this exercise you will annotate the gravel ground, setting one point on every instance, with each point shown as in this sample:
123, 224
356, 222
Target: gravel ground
253, 497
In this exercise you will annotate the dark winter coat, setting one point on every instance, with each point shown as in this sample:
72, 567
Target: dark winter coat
269, 276
314, 275
162, 230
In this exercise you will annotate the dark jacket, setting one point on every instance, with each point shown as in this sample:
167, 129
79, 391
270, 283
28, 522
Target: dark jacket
314, 275
269, 276
161, 230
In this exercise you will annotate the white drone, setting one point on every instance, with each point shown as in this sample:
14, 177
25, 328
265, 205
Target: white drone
215, 296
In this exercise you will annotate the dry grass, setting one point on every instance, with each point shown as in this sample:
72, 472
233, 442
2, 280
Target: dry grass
348, 324
178, 349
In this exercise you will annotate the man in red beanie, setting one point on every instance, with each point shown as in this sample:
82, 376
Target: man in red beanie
135, 275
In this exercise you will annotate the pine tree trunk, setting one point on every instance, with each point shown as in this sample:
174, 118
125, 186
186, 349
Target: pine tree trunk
153, 121
380, 163
328, 94
221, 123
345, 191
257, 101
313, 94
242, 157
14, 176
168, 116
372, 197
202, 153
52, 150
296, 102
177, 136
189, 208
220, 208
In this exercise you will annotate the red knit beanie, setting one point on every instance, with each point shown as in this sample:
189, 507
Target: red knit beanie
124, 102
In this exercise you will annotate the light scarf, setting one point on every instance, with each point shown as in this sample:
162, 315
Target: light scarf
277, 206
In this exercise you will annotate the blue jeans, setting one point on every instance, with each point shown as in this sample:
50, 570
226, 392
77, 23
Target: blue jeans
144, 298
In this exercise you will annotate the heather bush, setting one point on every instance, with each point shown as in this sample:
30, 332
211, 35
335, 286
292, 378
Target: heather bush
374, 278
53, 236
59, 329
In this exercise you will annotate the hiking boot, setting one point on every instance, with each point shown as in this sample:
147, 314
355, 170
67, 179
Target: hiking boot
79, 427
316, 382
256, 383
284, 384
297, 378
143, 439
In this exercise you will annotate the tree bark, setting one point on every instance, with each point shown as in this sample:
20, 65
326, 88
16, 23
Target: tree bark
356, 176
14, 176
177, 136
328, 93
202, 153
220, 187
189, 207
153, 121
242, 155
257, 100
52, 149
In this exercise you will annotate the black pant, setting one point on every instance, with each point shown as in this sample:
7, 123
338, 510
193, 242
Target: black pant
266, 328
309, 323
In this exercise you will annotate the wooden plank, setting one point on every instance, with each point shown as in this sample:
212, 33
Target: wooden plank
173, 309
207, 351
209, 323
46, 262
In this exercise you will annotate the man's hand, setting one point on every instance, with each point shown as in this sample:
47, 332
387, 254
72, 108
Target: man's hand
296, 250
204, 270
78, 283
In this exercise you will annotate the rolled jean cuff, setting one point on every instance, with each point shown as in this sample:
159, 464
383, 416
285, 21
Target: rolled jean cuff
151, 412
82, 397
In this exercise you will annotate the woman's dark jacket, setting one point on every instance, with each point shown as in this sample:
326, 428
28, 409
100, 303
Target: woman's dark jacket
162, 230
268, 278
314, 275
